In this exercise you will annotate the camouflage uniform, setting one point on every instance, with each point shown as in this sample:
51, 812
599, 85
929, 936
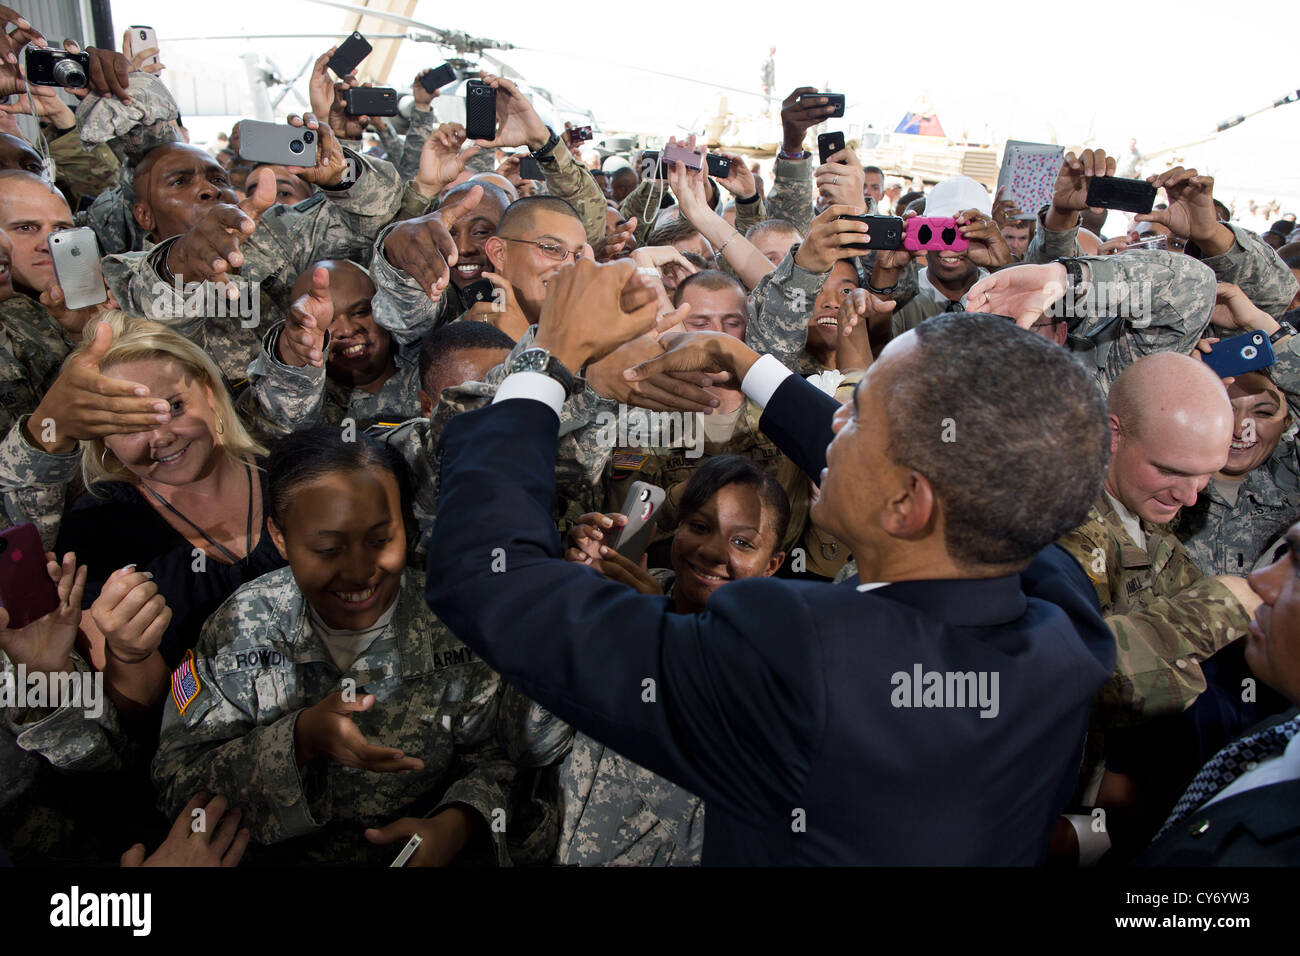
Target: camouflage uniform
32, 350
791, 196
1250, 263
750, 214
80, 173
34, 483
926, 302
1167, 616
259, 664
287, 398
65, 737
1230, 526
114, 224
412, 144
332, 224
1181, 299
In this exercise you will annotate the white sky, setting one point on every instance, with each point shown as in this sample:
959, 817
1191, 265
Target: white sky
1015, 70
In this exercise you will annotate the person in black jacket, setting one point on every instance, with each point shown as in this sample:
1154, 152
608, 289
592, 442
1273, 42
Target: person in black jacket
933, 714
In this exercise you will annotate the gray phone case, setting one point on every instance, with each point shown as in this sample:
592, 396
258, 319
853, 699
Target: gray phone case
278, 144
75, 254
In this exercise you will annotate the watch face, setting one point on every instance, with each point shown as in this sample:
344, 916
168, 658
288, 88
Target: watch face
532, 360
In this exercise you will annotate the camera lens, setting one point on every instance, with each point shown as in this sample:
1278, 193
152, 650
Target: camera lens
309, 137
68, 73
143, 35
295, 146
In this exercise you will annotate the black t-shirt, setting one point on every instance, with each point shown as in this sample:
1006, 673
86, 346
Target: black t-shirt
119, 527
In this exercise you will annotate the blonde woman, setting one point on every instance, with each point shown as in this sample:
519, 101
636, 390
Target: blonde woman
172, 521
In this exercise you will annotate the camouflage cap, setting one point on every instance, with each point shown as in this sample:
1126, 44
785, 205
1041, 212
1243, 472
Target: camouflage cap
131, 129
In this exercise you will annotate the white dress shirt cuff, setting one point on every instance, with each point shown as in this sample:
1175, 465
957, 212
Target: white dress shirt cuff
534, 385
764, 378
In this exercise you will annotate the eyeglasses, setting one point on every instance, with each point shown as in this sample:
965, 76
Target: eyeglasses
549, 249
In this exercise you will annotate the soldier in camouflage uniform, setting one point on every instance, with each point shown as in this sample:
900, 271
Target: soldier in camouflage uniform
1239, 514
338, 222
291, 396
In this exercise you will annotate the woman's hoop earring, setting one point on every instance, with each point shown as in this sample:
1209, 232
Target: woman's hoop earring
221, 426
102, 466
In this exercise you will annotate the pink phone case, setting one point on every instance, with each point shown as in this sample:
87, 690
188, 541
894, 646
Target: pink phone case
934, 234
26, 590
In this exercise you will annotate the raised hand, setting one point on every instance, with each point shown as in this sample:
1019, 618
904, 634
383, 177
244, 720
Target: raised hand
840, 180
209, 251
829, 238
442, 158
1191, 213
517, 122
617, 242
45, 644
109, 73
1004, 210
423, 247
327, 730
330, 162
798, 117
1070, 195
73, 320
423, 98
302, 340
987, 247
83, 404
739, 180
502, 310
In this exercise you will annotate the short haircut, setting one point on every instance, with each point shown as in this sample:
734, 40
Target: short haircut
8, 177
906, 200
675, 230
1022, 462
874, 169
445, 341
773, 225
522, 212
624, 172
1222, 211
312, 453
709, 279
720, 471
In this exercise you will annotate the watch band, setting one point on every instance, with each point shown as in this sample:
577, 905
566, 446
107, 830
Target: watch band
542, 361
746, 202
887, 290
802, 154
1284, 329
548, 147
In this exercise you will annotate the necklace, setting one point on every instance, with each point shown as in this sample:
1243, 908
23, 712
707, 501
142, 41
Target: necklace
248, 532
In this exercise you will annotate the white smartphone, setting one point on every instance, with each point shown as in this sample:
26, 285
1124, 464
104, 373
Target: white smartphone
141, 38
408, 851
75, 254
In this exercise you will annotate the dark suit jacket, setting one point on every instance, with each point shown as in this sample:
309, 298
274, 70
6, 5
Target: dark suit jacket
776, 704
1260, 827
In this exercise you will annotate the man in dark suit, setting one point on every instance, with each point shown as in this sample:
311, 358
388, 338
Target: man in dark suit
933, 714
1243, 807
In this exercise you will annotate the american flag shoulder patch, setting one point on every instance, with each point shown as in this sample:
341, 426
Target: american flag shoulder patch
629, 461
185, 682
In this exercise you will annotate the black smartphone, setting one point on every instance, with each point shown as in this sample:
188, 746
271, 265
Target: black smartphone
433, 80
480, 110
828, 144
719, 166
56, 68
480, 290
835, 100
1127, 195
370, 101
530, 168
883, 232
349, 54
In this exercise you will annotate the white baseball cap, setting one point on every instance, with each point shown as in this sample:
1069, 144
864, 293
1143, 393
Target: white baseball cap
955, 195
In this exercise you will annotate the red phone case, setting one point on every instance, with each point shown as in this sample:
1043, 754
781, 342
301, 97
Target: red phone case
934, 234
26, 590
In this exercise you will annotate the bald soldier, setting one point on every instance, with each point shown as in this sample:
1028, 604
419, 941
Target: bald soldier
1171, 425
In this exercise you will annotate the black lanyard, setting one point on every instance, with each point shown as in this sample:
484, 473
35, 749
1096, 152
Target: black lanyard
248, 534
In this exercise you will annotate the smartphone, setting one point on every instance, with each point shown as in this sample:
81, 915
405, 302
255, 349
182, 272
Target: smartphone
434, 80
641, 506
349, 55
835, 100
719, 166
26, 590
934, 234
408, 851
277, 144
1160, 243
370, 101
580, 134
651, 168
884, 232
57, 68
480, 290
1127, 195
1248, 352
141, 38
75, 254
480, 110
690, 158
828, 144
530, 168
